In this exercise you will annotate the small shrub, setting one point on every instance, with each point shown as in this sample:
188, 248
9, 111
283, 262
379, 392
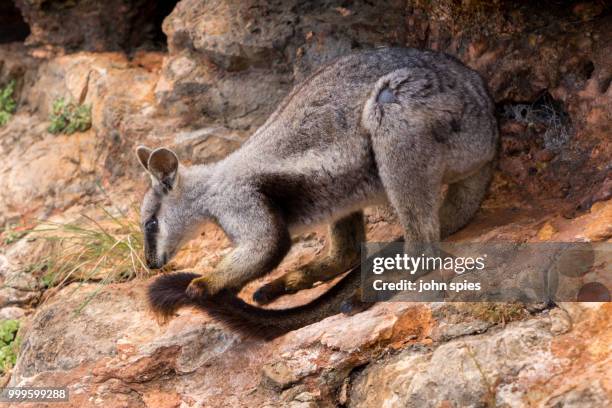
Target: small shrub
499, 313
69, 117
7, 103
8, 344
545, 112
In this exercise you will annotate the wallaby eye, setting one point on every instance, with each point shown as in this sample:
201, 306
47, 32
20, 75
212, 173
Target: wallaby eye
151, 225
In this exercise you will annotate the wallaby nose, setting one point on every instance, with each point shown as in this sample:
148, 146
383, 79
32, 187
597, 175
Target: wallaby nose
153, 264
156, 263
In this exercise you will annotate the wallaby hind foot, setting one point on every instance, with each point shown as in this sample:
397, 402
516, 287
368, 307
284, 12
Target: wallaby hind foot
463, 200
345, 238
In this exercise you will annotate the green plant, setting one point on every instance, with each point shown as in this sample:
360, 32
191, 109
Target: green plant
7, 103
11, 235
8, 344
69, 117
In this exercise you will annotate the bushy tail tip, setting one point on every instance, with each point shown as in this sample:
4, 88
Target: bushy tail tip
167, 292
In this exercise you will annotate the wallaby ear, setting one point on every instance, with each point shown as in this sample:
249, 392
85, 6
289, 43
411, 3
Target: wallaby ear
163, 165
143, 153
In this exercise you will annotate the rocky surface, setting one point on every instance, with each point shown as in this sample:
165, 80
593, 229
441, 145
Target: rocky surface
113, 353
521, 364
231, 62
227, 65
84, 24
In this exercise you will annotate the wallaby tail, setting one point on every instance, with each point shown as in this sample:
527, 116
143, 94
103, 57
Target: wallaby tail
167, 294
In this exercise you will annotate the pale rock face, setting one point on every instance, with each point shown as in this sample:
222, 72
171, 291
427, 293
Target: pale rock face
18, 289
500, 367
55, 166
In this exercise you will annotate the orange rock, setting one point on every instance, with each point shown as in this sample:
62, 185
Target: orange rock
546, 232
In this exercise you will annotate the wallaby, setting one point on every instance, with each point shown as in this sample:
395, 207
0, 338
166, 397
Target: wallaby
386, 125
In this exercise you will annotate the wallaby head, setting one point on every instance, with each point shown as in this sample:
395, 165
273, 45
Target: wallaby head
166, 216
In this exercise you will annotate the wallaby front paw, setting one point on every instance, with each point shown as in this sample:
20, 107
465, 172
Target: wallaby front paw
269, 292
198, 288
287, 284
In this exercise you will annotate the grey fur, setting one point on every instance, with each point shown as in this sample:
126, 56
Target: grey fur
389, 124
346, 236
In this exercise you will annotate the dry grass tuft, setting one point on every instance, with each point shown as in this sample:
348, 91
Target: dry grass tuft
104, 250
107, 250
498, 313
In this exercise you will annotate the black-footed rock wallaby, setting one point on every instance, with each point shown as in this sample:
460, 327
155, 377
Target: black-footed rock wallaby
387, 125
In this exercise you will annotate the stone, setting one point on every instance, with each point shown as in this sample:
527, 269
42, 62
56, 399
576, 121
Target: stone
18, 289
465, 372
234, 64
546, 232
561, 321
12, 313
82, 24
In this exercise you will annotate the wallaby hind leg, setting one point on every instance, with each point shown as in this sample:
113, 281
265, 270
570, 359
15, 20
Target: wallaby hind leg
412, 183
409, 144
346, 236
416, 204
463, 199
